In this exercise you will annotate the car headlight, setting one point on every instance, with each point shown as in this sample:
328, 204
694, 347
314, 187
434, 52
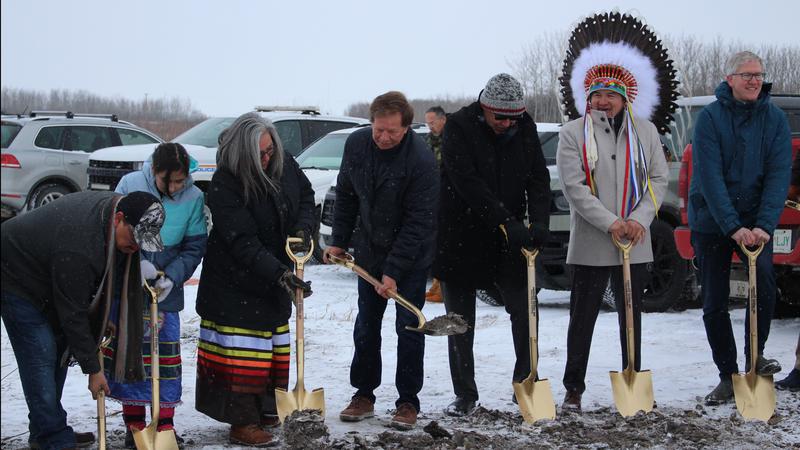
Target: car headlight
137, 165
560, 201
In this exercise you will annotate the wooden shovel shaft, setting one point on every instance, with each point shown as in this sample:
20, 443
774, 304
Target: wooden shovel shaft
630, 334
374, 281
752, 256
299, 263
533, 319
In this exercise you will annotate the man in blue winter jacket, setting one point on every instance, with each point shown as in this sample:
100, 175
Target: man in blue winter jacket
741, 162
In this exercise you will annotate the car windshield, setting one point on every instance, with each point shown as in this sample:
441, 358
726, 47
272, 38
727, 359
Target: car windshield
680, 130
205, 133
10, 131
326, 153
549, 141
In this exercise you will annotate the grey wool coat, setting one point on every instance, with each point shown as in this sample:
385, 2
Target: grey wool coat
590, 243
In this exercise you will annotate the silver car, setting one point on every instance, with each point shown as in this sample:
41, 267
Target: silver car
45, 154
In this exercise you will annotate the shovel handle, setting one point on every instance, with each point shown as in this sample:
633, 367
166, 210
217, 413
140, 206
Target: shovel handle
348, 261
299, 262
630, 333
155, 374
533, 317
752, 256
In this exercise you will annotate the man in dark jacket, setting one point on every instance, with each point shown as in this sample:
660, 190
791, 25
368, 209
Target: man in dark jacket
742, 160
388, 186
59, 265
493, 174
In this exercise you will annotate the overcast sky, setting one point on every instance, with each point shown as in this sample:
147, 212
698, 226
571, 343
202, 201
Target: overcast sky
228, 56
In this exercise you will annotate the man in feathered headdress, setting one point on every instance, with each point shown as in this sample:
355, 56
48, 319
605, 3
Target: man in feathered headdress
613, 173
742, 157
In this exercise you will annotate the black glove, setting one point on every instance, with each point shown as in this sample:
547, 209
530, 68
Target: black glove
291, 283
301, 247
539, 235
517, 236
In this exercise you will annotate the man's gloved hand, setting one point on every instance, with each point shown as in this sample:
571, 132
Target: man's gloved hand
290, 282
304, 246
164, 286
539, 235
517, 236
148, 270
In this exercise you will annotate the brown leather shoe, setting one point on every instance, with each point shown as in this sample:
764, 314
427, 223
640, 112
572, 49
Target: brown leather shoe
270, 421
360, 408
405, 418
572, 401
251, 435
434, 295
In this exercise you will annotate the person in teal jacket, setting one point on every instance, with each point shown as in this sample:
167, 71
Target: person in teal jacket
741, 159
167, 175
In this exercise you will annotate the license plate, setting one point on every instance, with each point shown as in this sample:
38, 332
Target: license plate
739, 289
782, 241
100, 187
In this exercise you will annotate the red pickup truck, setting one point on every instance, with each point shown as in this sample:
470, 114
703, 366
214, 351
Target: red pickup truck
786, 256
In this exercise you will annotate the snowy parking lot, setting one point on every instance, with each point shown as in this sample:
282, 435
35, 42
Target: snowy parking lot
674, 349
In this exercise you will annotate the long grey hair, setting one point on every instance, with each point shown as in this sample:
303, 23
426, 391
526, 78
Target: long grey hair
238, 153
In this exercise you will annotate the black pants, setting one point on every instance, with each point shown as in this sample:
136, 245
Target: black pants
588, 285
459, 298
714, 261
365, 370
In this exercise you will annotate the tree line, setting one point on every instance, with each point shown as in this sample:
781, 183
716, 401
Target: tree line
167, 117
700, 66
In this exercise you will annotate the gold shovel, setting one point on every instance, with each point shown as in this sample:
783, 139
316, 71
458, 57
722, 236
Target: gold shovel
101, 401
534, 396
150, 438
755, 394
633, 390
441, 326
299, 399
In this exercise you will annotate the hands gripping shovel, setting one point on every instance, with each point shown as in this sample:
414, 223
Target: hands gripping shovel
299, 399
448, 325
754, 394
633, 390
150, 438
534, 396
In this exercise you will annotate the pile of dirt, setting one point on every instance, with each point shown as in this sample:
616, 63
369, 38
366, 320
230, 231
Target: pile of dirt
447, 325
305, 429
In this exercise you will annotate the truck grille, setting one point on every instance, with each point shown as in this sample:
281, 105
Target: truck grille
105, 175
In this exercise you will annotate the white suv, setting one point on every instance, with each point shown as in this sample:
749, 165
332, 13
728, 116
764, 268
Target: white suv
45, 154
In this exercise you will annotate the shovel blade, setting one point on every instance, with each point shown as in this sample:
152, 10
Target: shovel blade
755, 395
152, 439
535, 399
633, 391
298, 400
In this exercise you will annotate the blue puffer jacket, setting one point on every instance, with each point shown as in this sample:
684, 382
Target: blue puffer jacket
184, 230
741, 161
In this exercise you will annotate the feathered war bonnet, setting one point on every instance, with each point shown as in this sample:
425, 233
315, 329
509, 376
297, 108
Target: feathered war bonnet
616, 52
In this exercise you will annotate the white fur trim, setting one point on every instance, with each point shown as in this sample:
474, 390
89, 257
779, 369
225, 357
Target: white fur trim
627, 56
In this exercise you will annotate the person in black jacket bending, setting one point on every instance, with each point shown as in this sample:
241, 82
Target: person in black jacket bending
388, 185
62, 267
258, 196
493, 174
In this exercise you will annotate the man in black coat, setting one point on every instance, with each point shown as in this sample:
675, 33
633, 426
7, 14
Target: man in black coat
388, 186
493, 174
60, 263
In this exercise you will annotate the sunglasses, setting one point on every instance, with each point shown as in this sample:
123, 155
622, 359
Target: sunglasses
268, 152
504, 117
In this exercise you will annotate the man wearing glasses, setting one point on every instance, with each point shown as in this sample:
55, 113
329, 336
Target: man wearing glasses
493, 174
742, 160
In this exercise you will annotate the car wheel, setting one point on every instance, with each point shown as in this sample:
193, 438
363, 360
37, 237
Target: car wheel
47, 193
490, 296
209, 220
668, 271
608, 303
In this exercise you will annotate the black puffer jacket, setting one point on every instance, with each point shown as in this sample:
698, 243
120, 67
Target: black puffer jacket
246, 250
485, 180
396, 210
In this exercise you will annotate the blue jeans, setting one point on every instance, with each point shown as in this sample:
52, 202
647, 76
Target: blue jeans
714, 254
365, 371
36, 350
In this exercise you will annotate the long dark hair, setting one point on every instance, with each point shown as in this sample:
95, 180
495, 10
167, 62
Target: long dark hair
170, 157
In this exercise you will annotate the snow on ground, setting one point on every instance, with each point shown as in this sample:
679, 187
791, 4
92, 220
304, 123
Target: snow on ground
674, 349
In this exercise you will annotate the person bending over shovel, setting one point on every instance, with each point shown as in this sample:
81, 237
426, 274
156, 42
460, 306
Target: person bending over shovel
614, 174
389, 187
61, 265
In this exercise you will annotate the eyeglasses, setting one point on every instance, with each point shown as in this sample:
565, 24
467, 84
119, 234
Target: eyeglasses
747, 76
268, 152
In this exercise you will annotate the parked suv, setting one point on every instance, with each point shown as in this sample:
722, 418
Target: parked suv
45, 154
786, 252
297, 127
